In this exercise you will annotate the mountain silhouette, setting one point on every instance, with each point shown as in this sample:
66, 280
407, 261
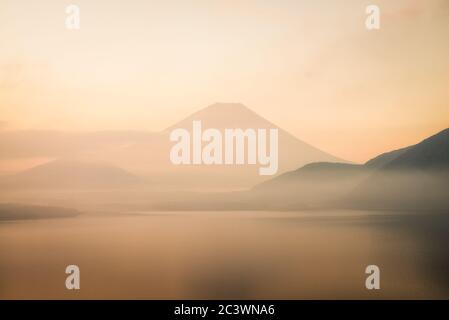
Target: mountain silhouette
384, 158
319, 171
416, 179
313, 184
150, 157
293, 152
146, 154
72, 174
225, 115
430, 154
413, 177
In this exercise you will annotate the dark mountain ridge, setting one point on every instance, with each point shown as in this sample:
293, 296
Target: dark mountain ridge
71, 174
413, 177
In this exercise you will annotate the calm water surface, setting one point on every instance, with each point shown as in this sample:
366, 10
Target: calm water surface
221, 255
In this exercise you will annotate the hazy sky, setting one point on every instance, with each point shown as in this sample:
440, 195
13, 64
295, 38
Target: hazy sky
309, 66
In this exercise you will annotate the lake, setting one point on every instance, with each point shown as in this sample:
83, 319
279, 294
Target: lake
227, 255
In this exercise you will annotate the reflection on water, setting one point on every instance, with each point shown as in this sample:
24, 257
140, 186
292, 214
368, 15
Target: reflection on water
239, 255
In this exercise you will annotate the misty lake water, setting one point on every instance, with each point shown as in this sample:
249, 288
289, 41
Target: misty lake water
223, 255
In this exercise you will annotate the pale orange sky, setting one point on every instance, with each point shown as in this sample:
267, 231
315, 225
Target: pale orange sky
311, 67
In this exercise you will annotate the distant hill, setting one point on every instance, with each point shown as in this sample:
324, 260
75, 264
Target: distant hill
414, 177
319, 171
430, 154
12, 211
313, 184
72, 174
384, 158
